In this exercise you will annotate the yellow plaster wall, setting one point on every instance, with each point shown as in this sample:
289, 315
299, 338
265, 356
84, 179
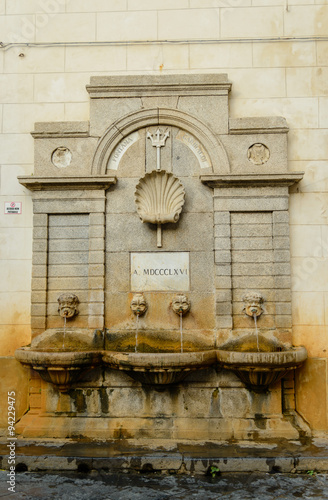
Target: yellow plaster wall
270, 76
14, 381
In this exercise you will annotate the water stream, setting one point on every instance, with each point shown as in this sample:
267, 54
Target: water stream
64, 332
257, 332
181, 336
137, 331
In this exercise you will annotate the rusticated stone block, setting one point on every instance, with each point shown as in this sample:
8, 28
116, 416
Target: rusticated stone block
40, 245
39, 258
280, 229
38, 309
282, 269
96, 244
281, 255
251, 218
280, 217
97, 231
96, 219
96, 309
222, 230
223, 295
250, 230
38, 296
255, 243
223, 270
39, 283
282, 282
40, 220
96, 283
96, 257
235, 403
222, 243
221, 218
281, 242
255, 282
252, 256
96, 270
68, 206
223, 321
248, 269
250, 204
283, 321
39, 271
202, 429
223, 308
222, 256
223, 282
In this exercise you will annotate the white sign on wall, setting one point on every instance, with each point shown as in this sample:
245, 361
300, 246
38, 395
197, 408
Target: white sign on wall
160, 271
13, 207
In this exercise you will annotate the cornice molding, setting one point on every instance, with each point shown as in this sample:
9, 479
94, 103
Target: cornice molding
91, 182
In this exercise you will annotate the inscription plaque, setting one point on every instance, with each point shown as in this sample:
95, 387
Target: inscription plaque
196, 147
119, 151
160, 271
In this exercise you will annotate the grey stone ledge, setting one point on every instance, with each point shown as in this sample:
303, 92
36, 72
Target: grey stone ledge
237, 180
154, 85
266, 455
43, 130
258, 125
198, 464
67, 183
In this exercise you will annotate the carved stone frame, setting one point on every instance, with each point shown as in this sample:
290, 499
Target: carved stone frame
54, 196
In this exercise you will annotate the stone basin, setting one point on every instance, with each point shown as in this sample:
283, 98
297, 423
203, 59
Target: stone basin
256, 369
159, 368
62, 366
158, 341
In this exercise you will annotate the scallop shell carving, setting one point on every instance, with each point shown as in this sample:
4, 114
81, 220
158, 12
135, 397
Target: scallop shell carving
159, 197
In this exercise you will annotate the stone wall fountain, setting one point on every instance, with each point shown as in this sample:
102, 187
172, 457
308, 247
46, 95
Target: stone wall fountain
169, 221
63, 356
159, 368
258, 361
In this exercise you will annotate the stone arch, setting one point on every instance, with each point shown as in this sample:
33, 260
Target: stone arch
159, 116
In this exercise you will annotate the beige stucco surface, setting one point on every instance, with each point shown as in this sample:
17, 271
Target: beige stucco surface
270, 76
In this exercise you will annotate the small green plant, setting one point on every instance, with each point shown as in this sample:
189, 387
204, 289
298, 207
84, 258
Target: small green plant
311, 472
214, 470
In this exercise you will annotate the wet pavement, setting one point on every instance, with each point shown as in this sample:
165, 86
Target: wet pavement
101, 485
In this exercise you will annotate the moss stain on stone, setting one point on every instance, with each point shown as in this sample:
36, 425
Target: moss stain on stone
104, 402
79, 401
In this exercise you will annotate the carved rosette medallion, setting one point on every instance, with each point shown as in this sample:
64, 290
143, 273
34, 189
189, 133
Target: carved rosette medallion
61, 157
258, 154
